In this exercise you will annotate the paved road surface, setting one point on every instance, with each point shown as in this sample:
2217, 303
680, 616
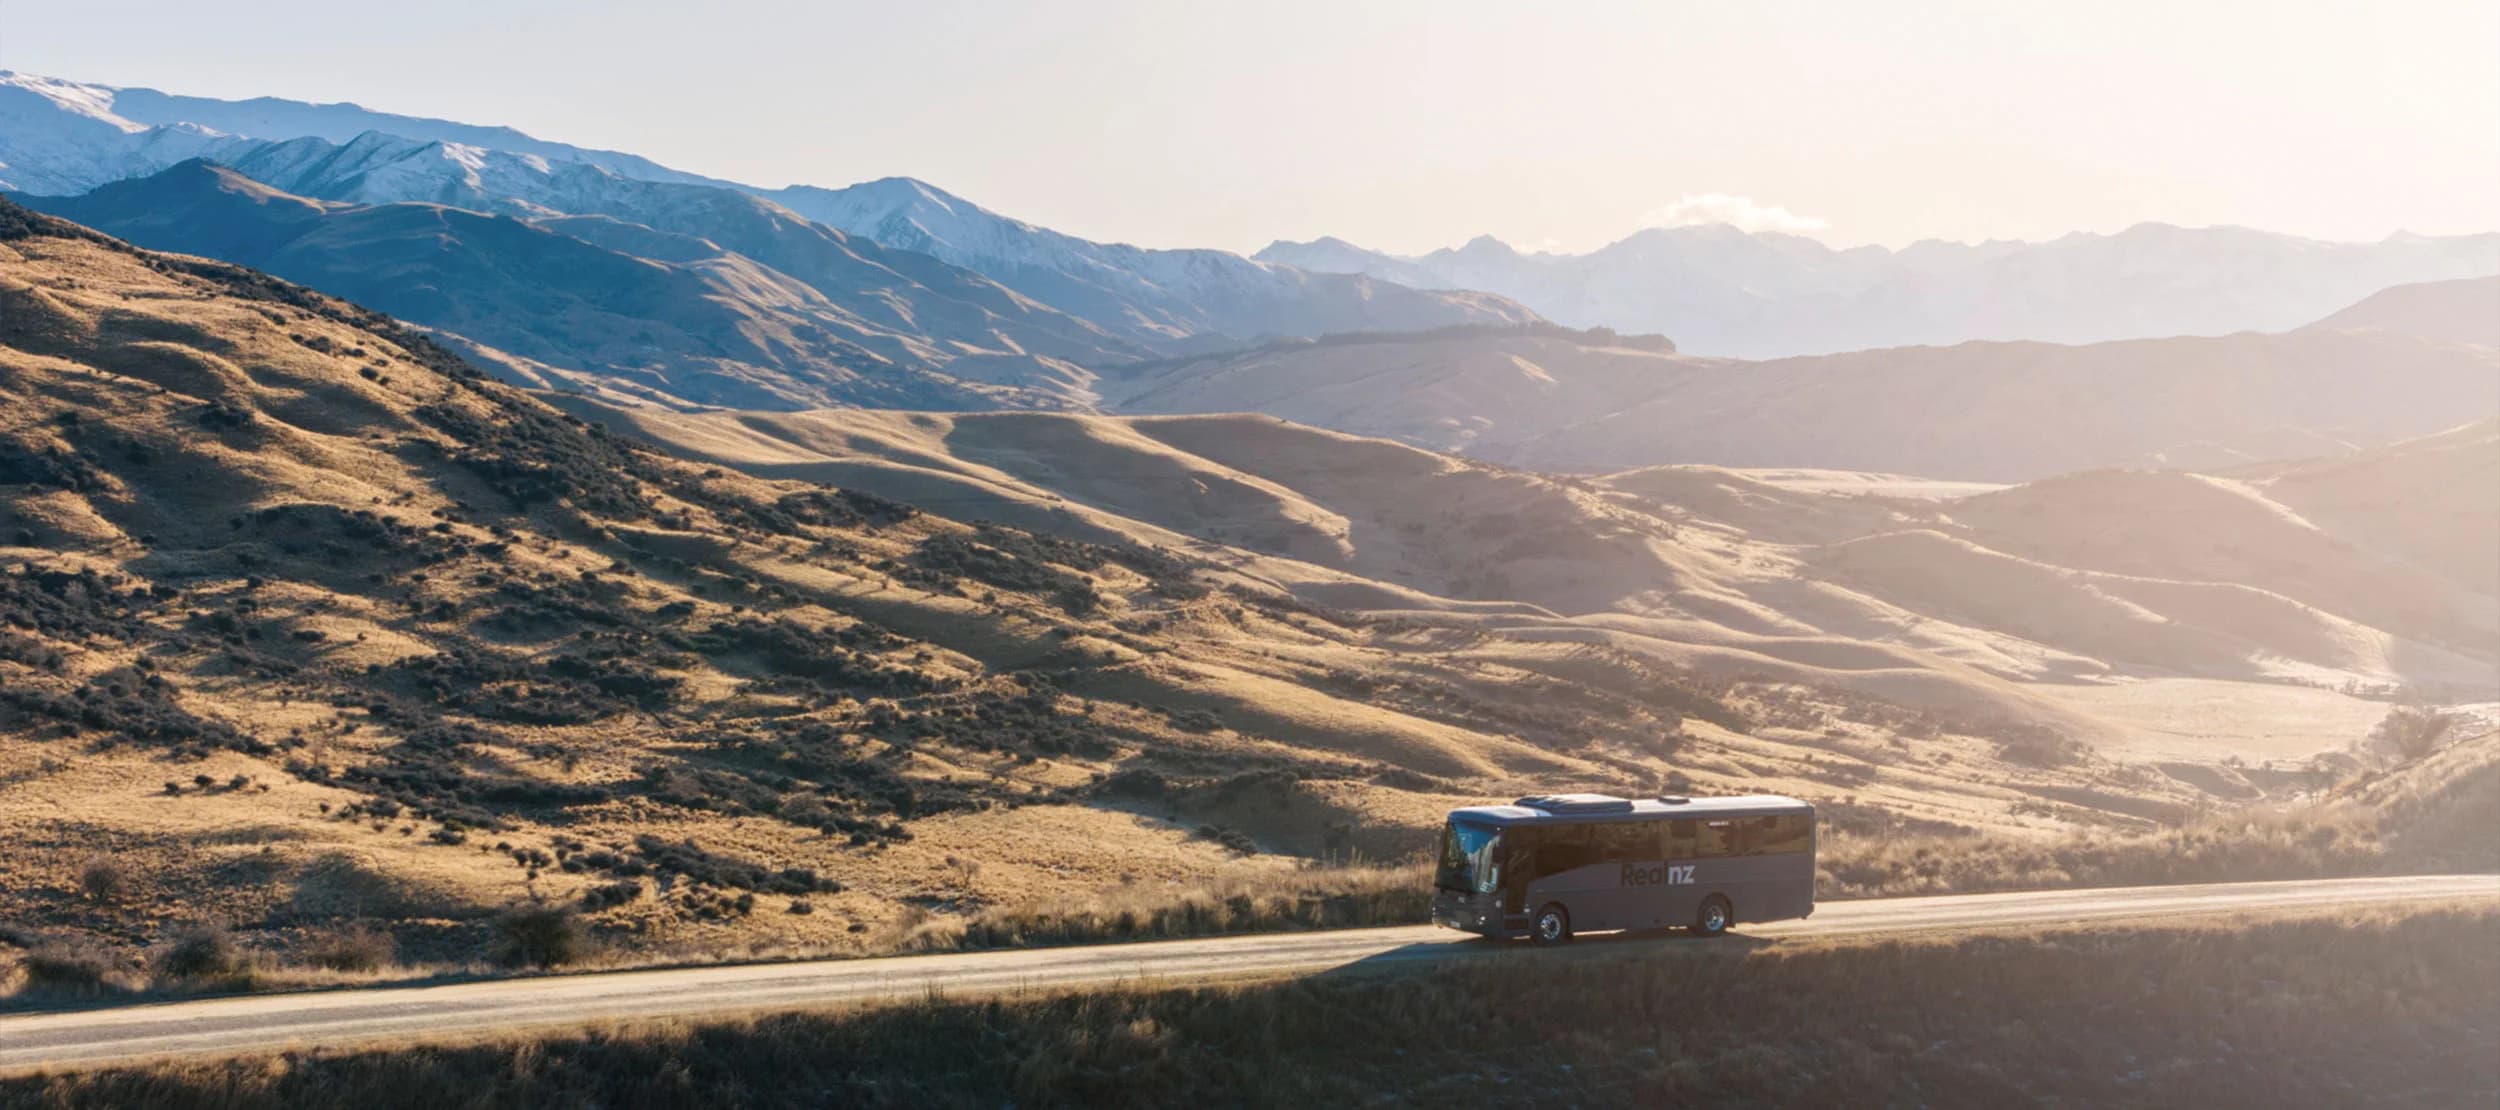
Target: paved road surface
230, 1026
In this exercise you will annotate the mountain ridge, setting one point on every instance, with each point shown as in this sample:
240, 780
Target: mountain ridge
61, 138
709, 325
1722, 291
2463, 310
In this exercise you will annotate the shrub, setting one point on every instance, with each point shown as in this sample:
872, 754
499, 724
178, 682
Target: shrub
102, 879
611, 894
204, 952
1136, 782
2413, 731
362, 946
1196, 720
2039, 747
539, 936
1233, 840
83, 970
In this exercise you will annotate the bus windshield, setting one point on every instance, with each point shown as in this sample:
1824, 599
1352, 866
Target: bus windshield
1466, 857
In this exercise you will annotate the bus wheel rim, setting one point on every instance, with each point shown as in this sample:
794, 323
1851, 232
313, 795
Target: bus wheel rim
1713, 917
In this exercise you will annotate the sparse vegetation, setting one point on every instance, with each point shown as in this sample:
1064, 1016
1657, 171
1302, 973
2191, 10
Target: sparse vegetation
360, 603
1284, 900
539, 937
2412, 731
355, 947
73, 970
205, 957
102, 879
2281, 1013
2254, 846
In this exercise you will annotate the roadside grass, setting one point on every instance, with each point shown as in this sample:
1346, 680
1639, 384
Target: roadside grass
2378, 828
2307, 843
2427, 815
2376, 1007
195, 961
1283, 901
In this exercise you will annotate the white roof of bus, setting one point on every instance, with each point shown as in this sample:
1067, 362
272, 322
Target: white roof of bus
1742, 804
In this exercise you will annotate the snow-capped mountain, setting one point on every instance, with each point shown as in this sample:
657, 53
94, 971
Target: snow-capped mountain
1151, 295
63, 137
56, 136
623, 309
882, 283
1722, 291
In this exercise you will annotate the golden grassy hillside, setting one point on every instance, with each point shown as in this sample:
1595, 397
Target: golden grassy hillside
2152, 612
305, 623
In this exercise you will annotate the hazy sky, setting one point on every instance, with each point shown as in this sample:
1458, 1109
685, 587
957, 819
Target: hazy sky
1413, 125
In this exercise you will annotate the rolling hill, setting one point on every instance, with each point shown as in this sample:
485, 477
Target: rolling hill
1995, 412
305, 621
2094, 604
2466, 310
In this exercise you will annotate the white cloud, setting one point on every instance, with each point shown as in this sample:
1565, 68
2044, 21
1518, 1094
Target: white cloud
1741, 212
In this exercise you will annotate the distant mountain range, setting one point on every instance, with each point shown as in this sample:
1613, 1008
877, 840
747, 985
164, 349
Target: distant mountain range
1721, 291
1715, 289
1158, 297
60, 137
604, 274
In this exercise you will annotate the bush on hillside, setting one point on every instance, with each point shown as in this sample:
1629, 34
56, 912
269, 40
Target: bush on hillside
539, 936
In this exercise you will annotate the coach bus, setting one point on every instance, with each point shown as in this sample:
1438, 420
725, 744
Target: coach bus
1553, 865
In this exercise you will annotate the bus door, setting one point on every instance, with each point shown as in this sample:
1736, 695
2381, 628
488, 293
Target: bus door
1681, 898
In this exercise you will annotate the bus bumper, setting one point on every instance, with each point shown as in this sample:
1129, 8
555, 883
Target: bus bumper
1472, 913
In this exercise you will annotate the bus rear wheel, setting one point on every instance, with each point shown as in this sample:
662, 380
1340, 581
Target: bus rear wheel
1552, 925
1714, 918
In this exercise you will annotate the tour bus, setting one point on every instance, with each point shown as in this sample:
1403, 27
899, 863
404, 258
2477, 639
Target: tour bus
1549, 866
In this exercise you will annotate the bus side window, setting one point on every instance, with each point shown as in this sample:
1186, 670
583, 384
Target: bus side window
1563, 847
1683, 839
1789, 833
1628, 842
1718, 839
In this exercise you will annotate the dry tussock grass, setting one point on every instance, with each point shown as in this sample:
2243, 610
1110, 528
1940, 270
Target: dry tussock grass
2251, 846
2384, 1008
1281, 901
357, 634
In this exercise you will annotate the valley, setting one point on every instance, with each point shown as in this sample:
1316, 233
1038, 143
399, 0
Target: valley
312, 626
428, 551
798, 555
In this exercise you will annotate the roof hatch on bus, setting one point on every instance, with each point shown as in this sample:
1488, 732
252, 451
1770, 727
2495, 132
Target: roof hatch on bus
1576, 803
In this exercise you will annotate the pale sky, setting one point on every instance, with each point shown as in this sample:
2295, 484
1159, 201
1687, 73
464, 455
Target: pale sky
1408, 126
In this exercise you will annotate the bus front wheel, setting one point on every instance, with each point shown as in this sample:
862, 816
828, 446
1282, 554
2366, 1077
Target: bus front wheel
1715, 916
1552, 924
